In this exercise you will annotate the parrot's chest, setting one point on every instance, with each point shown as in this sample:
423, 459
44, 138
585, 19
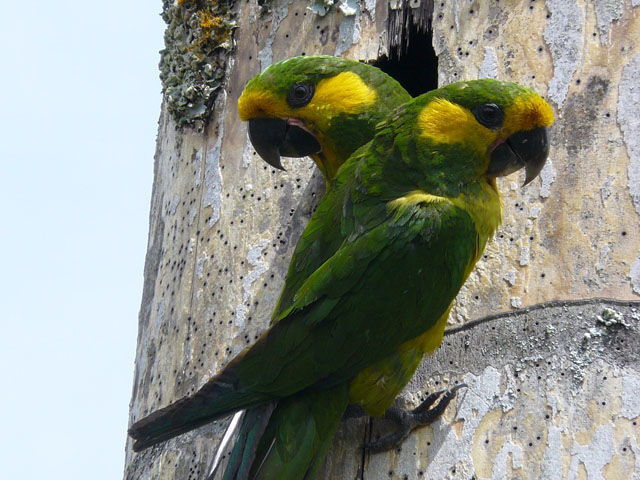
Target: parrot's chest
486, 213
485, 209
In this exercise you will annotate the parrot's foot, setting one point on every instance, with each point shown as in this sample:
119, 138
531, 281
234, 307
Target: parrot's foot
407, 421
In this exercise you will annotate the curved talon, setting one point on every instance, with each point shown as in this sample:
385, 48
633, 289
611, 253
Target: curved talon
430, 415
406, 422
427, 402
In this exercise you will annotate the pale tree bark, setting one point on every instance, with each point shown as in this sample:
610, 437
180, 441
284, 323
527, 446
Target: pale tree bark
554, 390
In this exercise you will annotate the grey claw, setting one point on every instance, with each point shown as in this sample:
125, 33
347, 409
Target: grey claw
424, 414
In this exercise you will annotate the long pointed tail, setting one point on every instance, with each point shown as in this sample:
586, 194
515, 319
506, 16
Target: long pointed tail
220, 396
291, 442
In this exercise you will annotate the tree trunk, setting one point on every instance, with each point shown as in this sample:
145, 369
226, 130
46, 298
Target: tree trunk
553, 390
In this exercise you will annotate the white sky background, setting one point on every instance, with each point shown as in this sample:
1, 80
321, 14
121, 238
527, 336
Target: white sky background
79, 104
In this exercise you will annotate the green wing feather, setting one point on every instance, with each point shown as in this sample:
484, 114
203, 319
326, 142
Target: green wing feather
341, 321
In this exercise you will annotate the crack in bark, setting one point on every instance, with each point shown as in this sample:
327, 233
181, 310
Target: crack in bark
540, 306
368, 432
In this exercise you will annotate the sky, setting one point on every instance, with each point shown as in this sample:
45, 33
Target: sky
79, 104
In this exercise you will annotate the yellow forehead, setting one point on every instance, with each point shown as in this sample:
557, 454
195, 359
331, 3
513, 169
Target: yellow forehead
343, 93
527, 113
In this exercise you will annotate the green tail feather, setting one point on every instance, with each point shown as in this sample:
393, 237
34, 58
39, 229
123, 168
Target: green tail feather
220, 396
295, 440
254, 423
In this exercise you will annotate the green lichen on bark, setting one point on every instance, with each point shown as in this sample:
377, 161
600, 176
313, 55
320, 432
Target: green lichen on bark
198, 40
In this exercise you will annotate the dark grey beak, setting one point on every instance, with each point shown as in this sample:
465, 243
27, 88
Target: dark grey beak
273, 138
523, 149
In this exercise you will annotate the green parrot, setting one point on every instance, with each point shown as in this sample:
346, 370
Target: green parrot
323, 107
373, 276
349, 99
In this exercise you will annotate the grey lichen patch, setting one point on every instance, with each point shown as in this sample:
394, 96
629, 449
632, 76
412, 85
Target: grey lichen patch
279, 12
607, 188
489, 67
630, 396
564, 37
213, 176
509, 453
547, 176
607, 12
634, 273
349, 32
193, 63
370, 6
581, 118
608, 320
524, 256
348, 8
611, 318
552, 460
258, 268
510, 276
594, 456
629, 120
321, 7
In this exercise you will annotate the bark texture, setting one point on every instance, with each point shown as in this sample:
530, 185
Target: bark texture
554, 391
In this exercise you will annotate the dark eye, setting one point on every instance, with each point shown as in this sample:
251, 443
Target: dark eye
300, 94
490, 115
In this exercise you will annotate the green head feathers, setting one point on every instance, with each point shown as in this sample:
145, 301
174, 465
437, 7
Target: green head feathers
325, 107
481, 127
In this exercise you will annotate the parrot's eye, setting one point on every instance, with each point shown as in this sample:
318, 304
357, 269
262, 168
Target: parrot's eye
490, 115
300, 94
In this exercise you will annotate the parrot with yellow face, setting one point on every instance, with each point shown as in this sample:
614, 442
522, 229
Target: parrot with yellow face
324, 107
373, 277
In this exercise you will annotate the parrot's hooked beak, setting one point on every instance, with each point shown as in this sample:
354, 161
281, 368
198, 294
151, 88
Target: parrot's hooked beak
274, 137
528, 149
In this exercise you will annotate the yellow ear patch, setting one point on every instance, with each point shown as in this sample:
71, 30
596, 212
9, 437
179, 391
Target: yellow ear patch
344, 93
448, 123
528, 113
